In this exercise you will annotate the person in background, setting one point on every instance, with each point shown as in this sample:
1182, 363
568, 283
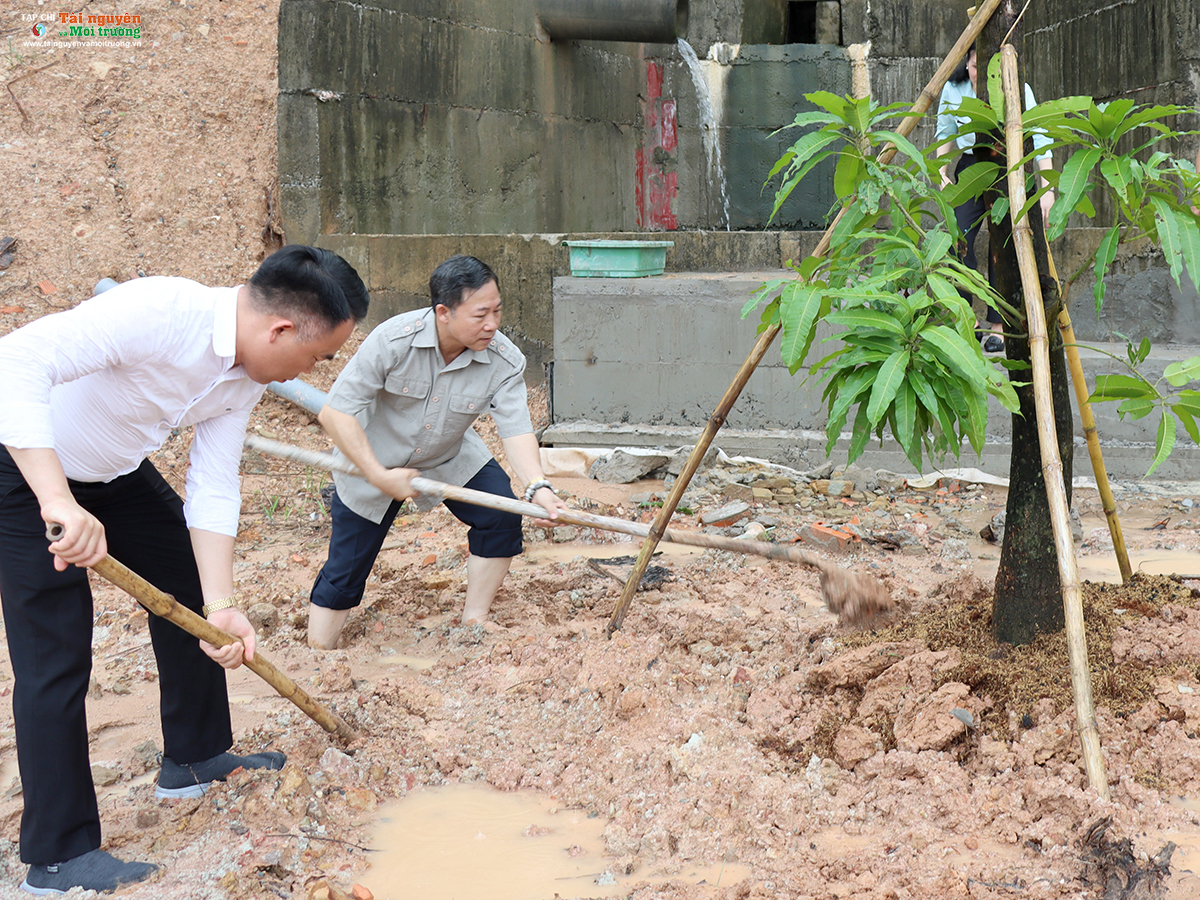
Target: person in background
88, 393
969, 214
403, 406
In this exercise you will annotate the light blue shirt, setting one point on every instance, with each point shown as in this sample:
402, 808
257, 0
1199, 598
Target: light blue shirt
947, 123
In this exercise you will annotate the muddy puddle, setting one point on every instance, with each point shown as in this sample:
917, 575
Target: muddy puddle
473, 842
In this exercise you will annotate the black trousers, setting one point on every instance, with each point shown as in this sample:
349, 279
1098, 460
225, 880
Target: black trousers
355, 541
48, 620
969, 216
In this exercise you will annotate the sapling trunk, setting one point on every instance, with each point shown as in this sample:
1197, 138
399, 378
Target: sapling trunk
1028, 592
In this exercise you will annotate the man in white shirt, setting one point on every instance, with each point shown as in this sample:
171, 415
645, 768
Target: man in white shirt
88, 394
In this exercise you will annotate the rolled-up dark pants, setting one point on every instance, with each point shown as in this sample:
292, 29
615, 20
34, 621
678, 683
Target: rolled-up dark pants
355, 541
48, 622
969, 216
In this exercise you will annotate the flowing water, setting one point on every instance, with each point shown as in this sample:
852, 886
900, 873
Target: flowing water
708, 126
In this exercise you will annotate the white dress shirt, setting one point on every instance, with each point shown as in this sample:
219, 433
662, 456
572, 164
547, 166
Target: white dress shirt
105, 383
953, 94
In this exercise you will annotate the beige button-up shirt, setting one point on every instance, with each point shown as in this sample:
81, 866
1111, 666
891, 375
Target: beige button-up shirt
417, 410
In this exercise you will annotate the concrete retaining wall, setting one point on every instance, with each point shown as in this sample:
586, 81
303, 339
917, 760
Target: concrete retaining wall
396, 270
645, 362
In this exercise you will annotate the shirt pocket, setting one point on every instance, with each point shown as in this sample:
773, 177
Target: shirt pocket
404, 388
464, 409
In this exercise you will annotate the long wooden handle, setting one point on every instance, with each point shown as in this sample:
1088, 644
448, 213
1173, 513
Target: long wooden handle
164, 605
433, 488
568, 516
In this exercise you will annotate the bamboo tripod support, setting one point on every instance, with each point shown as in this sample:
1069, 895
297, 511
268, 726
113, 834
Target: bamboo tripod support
164, 605
1052, 468
1088, 422
929, 96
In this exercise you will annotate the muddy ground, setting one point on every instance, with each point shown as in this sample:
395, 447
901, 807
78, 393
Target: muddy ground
730, 721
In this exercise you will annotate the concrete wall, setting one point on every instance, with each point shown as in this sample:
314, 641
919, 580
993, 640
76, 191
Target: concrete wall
644, 362
409, 117
396, 270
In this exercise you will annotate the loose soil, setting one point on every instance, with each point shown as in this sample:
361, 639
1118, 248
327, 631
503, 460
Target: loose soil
731, 720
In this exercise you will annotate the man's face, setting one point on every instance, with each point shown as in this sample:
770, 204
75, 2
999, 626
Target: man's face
282, 355
473, 323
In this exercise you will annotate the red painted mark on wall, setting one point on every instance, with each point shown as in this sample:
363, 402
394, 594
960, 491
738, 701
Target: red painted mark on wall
657, 182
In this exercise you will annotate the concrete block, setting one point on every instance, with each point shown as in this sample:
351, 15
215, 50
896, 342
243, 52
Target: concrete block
727, 514
624, 466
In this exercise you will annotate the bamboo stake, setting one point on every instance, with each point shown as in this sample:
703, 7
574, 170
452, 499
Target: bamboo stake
164, 605
854, 598
929, 96
1088, 422
1052, 468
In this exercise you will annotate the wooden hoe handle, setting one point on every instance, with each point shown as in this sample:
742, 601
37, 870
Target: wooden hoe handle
164, 605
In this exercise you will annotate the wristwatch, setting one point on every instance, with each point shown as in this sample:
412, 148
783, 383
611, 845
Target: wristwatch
209, 608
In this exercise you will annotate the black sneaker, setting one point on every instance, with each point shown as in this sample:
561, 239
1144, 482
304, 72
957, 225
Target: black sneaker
93, 871
176, 780
993, 344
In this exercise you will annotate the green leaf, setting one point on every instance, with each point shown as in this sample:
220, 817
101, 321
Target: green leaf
1189, 421
964, 359
937, 245
1105, 254
860, 434
861, 317
1119, 387
903, 144
972, 182
1164, 442
977, 420
1005, 391
795, 176
846, 393
799, 305
1189, 400
847, 174
1071, 186
995, 86
1117, 173
812, 117
1188, 230
1180, 373
883, 391
1136, 407
906, 419
1168, 235
832, 103
808, 145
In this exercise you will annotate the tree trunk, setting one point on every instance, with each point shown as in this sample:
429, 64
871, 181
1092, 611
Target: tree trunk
1028, 593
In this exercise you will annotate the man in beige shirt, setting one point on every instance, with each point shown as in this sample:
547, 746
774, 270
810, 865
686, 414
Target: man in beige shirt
403, 406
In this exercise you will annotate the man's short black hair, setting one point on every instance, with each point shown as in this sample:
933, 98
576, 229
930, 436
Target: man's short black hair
455, 277
316, 287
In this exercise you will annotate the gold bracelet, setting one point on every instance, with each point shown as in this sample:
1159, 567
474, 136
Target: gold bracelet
209, 608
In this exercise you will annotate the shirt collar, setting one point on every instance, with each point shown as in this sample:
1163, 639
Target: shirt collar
224, 339
427, 337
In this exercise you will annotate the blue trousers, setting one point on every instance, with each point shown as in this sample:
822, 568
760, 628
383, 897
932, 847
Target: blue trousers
355, 541
48, 622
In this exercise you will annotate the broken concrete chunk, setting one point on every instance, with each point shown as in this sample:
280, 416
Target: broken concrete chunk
627, 464
727, 514
680, 456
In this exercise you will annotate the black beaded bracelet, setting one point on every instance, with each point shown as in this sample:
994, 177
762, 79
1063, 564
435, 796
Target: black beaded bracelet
536, 486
